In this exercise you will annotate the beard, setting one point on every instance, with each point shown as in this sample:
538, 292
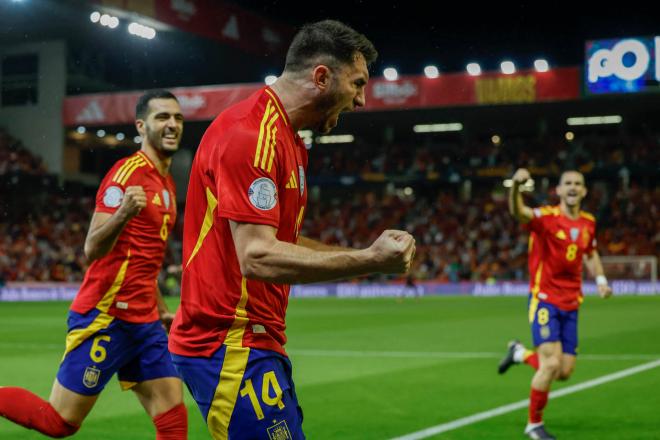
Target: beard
156, 140
325, 106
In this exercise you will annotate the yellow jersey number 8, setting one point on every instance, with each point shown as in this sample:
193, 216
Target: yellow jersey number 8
163, 229
571, 252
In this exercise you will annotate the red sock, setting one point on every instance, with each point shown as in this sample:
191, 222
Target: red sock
537, 401
31, 411
173, 424
531, 358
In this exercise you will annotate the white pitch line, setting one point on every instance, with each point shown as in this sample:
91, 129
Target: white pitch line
474, 418
454, 355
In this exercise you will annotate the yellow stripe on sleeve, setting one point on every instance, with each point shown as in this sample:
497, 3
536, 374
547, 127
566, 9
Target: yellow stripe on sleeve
130, 171
279, 109
123, 167
272, 149
267, 142
211, 203
269, 110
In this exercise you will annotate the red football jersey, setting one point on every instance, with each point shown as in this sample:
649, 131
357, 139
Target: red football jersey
249, 168
562, 242
533, 256
123, 283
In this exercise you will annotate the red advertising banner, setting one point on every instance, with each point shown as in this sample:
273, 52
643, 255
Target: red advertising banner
218, 20
408, 92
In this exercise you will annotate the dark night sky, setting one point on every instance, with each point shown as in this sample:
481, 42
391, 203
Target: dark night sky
407, 34
410, 34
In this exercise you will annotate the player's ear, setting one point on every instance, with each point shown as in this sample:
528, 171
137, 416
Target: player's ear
321, 77
139, 125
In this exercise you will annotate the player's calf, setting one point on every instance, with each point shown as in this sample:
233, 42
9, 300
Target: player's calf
31, 411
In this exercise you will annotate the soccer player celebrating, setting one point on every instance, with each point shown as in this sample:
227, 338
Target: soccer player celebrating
562, 237
242, 246
116, 322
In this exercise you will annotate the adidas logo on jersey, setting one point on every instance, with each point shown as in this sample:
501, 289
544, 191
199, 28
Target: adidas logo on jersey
293, 182
156, 200
561, 235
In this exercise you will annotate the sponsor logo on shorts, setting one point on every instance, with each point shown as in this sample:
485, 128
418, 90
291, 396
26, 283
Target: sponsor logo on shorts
545, 332
91, 377
279, 431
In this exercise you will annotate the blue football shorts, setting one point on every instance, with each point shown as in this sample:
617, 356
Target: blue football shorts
244, 393
96, 351
551, 324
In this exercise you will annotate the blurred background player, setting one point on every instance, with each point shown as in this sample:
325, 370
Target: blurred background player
561, 237
242, 249
116, 322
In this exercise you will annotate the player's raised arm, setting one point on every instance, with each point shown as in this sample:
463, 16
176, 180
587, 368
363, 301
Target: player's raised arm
517, 207
105, 228
595, 267
262, 256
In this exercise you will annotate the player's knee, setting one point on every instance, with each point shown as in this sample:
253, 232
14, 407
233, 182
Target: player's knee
551, 365
565, 373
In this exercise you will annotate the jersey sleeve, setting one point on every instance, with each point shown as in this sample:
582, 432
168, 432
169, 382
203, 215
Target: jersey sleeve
540, 220
111, 192
592, 244
246, 178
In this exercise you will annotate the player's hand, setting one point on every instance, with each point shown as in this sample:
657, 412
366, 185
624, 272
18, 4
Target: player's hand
604, 290
166, 319
521, 176
393, 251
135, 199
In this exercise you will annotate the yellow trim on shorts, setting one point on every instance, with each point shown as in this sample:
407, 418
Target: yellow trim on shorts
231, 375
76, 337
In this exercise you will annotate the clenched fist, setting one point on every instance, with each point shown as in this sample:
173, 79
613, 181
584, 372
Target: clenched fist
134, 200
393, 251
521, 176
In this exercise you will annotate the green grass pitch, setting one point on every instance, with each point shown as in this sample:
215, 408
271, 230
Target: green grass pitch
381, 368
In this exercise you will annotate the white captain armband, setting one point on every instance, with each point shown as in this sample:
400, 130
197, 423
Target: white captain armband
601, 280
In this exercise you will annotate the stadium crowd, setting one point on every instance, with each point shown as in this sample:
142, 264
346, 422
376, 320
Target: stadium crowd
459, 236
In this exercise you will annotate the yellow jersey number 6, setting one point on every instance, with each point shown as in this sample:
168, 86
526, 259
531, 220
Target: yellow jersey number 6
98, 353
163, 229
269, 380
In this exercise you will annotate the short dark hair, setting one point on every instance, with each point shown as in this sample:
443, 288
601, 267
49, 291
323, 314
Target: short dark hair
329, 42
569, 170
142, 106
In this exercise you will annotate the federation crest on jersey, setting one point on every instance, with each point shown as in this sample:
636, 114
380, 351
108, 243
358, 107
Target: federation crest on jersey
279, 431
301, 179
91, 377
263, 194
166, 198
113, 196
575, 232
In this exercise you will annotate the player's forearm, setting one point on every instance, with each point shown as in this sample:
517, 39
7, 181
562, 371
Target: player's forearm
517, 207
101, 240
286, 263
594, 265
316, 245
